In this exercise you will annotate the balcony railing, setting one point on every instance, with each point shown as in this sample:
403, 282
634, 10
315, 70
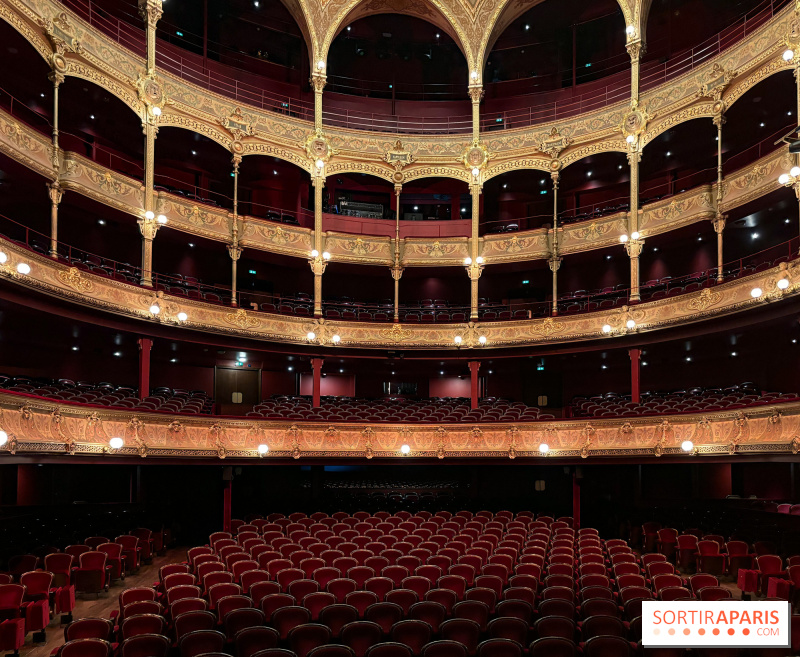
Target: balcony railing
192, 70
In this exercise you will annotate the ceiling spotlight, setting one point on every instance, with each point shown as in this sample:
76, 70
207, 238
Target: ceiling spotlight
194, 152
24, 268
687, 446
173, 360
783, 283
457, 339
734, 354
336, 338
688, 359
441, 372
311, 335
76, 348
606, 328
182, 317
290, 368
482, 339
405, 449
416, 207
756, 292
263, 449
116, 443
102, 222
544, 448
3, 437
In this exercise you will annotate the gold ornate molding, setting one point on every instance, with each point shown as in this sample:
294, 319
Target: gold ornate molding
97, 292
48, 427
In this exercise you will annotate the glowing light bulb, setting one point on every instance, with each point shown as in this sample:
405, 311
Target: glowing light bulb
116, 443
155, 309
635, 235
630, 324
606, 328
336, 338
183, 317
405, 449
156, 111
479, 260
630, 30
687, 445
320, 65
457, 339
467, 261
474, 75
788, 54
630, 139
162, 219
783, 178
756, 292
320, 164
149, 215
311, 335
24, 268
326, 255
544, 448
794, 172
263, 449
476, 171
314, 253
482, 339
623, 238
3, 437
3, 258
783, 283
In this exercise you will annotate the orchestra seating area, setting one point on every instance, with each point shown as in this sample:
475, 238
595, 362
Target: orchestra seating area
167, 400
694, 400
429, 585
349, 409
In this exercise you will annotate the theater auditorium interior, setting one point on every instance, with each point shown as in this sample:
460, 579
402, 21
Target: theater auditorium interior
426, 328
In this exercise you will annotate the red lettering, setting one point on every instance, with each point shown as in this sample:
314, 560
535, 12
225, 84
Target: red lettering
757, 617
682, 617
657, 616
745, 617
774, 616
721, 618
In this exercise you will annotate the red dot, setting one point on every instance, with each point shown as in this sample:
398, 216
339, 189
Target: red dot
745, 631
701, 631
687, 631
716, 631
731, 631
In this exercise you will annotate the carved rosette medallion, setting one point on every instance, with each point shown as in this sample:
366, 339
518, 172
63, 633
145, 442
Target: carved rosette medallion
151, 91
475, 156
318, 147
634, 123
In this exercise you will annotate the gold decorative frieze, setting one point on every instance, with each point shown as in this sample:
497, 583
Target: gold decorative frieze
52, 427
49, 277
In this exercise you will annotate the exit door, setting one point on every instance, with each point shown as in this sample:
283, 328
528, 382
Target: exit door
236, 391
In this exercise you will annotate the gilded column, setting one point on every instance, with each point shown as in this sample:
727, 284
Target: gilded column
150, 11
635, 49
319, 258
318, 80
634, 249
719, 218
55, 191
234, 250
397, 270
476, 95
555, 260
474, 263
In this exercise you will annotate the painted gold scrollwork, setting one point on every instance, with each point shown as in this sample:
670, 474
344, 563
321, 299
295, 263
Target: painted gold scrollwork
72, 277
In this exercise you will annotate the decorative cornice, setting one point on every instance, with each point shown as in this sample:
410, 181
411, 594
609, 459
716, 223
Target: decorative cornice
48, 427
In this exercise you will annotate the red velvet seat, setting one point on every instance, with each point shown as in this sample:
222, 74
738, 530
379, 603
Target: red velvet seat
360, 635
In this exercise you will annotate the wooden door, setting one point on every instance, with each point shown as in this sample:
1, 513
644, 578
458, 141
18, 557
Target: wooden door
236, 391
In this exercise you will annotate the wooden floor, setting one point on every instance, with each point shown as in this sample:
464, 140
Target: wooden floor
92, 606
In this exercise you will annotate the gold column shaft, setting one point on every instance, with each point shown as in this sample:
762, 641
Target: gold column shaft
318, 182
56, 192
475, 191
397, 271
719, 220
234, 250
555, 263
